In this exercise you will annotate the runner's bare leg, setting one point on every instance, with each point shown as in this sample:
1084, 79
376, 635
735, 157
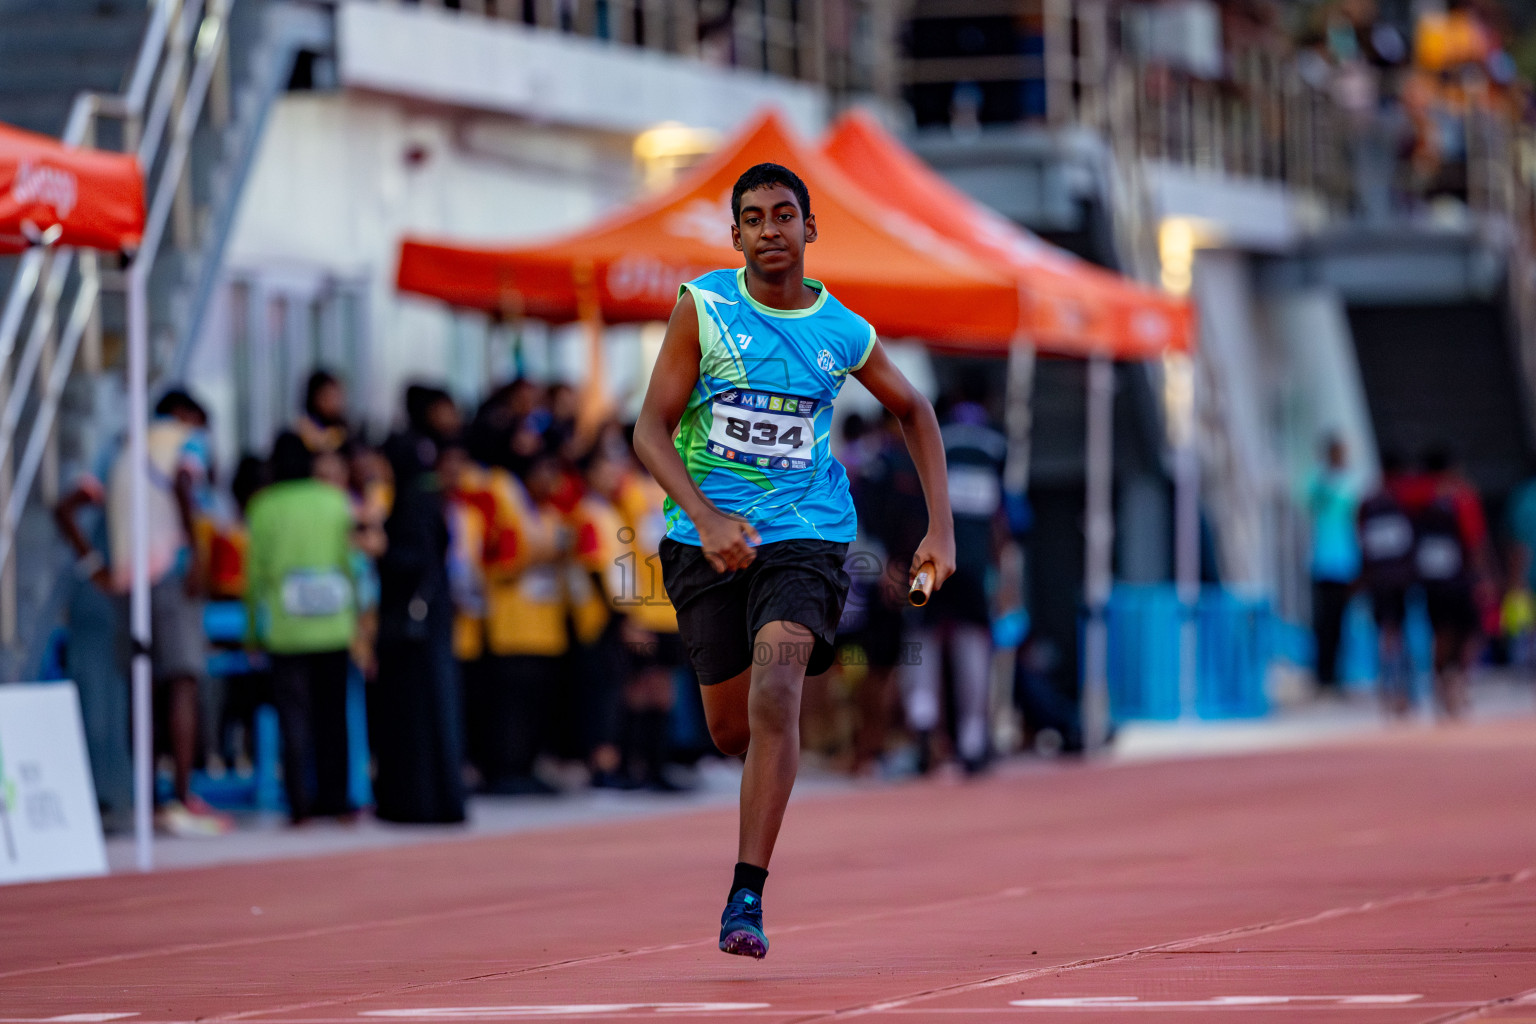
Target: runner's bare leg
773, 752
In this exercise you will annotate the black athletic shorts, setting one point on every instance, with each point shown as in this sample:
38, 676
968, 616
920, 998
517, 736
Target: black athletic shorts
719, 614
1451, 609
1389, 605
884, 630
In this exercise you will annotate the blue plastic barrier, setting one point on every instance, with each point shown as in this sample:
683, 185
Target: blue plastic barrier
1143, 652
1360, 654
1234, 649
359, 783
267, 755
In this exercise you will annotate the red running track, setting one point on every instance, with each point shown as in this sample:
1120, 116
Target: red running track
1389, 880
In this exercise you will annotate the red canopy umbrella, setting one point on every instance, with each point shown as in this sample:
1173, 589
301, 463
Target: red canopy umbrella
55, 194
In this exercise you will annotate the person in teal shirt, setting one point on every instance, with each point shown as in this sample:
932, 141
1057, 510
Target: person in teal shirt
1332, 502
302, 610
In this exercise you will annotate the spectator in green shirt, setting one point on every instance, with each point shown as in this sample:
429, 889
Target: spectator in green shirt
302, 612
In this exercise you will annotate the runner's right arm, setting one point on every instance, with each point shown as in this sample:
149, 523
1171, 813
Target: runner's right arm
727, 541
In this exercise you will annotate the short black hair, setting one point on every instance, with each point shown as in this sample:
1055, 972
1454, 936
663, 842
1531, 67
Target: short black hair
318, 382
765, 176
178, 400
291, 458
419, 400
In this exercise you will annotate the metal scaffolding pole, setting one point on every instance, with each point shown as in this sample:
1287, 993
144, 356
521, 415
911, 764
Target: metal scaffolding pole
138, 613
1098, 568
1179, 409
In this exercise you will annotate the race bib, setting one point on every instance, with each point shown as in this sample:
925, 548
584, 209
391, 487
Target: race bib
1439, 558
312, 593
540, 584
763, 429
1385, 538
974, 491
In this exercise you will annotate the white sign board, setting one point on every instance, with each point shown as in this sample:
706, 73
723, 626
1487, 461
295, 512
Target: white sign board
49, 823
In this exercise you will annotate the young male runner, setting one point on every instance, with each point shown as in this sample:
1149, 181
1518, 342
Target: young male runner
759, 515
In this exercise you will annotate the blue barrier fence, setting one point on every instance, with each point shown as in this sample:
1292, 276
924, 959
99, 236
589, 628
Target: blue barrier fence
1235, 646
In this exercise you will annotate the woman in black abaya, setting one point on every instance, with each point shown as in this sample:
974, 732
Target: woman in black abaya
415, 706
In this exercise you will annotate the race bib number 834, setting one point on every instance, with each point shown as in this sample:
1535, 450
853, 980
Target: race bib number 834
763, 429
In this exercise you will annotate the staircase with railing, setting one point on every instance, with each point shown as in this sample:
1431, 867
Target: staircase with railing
205, 74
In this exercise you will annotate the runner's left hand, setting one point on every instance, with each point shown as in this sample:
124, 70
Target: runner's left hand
940, 550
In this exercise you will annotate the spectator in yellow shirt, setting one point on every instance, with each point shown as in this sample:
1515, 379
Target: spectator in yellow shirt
525, 636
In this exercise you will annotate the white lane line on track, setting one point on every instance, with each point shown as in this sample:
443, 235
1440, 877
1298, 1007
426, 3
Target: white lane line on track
1209, 1003
788, 1014
69, 1018
1526, 998
1383, 903
557, 1010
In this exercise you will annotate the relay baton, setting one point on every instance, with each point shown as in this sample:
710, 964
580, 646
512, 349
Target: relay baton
922, 585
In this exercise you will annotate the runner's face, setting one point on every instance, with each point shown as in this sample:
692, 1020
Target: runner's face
770, 232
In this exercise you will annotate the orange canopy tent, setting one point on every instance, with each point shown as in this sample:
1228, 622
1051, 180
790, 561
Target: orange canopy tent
55, 194
1073, 307
901, 275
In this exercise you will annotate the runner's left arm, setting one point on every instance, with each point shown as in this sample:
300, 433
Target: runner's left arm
920, 427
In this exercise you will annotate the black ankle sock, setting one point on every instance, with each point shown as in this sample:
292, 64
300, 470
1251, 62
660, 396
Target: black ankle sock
749, 876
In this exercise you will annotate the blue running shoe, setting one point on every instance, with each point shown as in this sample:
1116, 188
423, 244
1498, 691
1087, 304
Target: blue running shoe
741, 926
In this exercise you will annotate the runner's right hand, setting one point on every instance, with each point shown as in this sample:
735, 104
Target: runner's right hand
728, 542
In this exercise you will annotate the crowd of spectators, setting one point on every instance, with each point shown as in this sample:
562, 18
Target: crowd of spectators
1409, 87
1408, 90
492, 581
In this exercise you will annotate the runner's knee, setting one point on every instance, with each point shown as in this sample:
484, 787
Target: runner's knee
730, 735
775, 701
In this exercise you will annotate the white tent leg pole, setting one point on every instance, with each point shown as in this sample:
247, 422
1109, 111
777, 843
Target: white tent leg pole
1018, 418
1099, 550
139, 619
1014, 566
1186, 555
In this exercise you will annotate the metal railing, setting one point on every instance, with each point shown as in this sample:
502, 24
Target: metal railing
183, 52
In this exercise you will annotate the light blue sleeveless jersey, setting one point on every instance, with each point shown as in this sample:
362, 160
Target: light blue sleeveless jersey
755, 433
